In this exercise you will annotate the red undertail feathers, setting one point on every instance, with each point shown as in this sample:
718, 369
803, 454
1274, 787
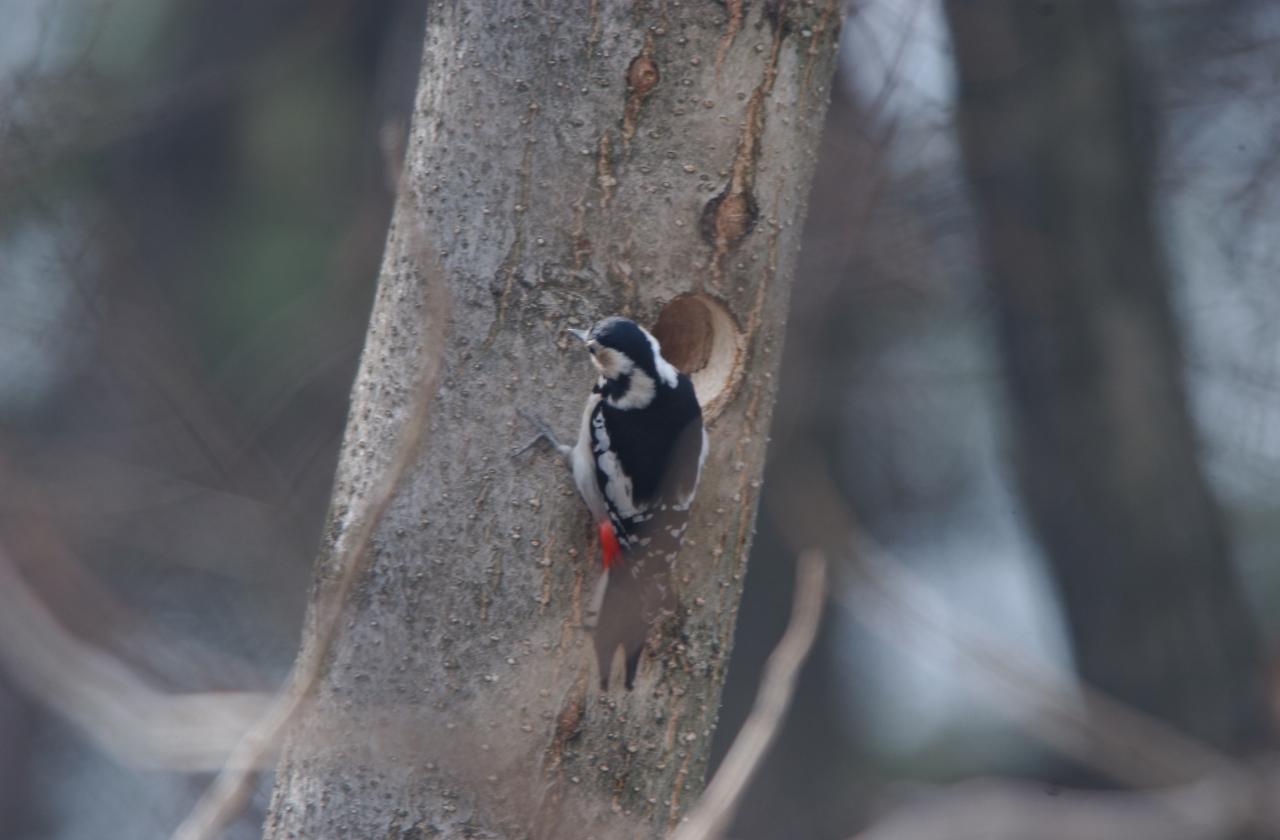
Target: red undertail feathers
609, 545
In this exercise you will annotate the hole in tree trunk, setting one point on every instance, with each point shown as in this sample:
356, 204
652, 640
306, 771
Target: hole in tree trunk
701, 338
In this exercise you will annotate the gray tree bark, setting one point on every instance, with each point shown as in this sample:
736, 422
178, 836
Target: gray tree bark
649, 159
1058, 142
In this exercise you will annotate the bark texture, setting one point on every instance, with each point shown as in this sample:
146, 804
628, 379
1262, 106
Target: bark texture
1058, 141
566, 162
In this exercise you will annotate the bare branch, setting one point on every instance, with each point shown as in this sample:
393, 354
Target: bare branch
1008, 810
1055, 707
713, 812
1189, 790
227, 795
103, 696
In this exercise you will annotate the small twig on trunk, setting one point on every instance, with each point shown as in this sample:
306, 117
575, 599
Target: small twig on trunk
713, 812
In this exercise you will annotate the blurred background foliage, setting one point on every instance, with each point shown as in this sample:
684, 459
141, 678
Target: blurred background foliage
193, 201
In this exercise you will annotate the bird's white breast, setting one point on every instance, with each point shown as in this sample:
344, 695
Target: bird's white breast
584, 465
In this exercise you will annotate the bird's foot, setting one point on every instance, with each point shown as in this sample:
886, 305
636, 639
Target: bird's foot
544, 433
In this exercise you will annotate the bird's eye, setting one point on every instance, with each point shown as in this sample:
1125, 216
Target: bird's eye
591, 348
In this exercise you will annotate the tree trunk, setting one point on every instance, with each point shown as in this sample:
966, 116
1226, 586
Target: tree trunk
644, 159
1059, 147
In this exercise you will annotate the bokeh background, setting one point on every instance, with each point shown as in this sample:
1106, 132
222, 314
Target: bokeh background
193, 200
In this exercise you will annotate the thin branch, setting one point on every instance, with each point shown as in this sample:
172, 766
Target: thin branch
227, 795
711, 816
106, 699
1057, 708
1008, 810
1189, 790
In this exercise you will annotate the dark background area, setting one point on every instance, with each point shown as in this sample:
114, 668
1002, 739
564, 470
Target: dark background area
193, 201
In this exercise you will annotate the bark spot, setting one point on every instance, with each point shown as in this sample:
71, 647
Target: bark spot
568, 723
605, 178
642, 77
729, 217
700, 336
733, 25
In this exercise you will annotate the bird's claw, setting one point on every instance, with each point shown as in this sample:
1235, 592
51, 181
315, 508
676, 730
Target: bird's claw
544, 433
517, 451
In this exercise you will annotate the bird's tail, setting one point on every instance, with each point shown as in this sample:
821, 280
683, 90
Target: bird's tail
637, 593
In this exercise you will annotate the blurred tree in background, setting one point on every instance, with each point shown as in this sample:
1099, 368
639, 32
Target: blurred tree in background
1060, 150
193, 202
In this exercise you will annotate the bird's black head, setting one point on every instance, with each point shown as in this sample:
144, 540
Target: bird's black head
630, 362
618, 346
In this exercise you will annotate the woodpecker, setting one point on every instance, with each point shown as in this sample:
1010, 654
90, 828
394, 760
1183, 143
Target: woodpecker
640, 449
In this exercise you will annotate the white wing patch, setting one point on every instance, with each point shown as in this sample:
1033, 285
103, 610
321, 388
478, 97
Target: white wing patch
666, 372
583, 464
686, 499
617, 484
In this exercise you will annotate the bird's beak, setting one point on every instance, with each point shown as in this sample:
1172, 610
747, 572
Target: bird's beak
581, 335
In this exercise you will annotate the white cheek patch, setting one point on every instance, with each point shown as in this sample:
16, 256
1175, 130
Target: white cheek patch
612, 363
639, 393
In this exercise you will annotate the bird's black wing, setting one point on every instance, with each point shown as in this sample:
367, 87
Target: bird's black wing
647, 464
